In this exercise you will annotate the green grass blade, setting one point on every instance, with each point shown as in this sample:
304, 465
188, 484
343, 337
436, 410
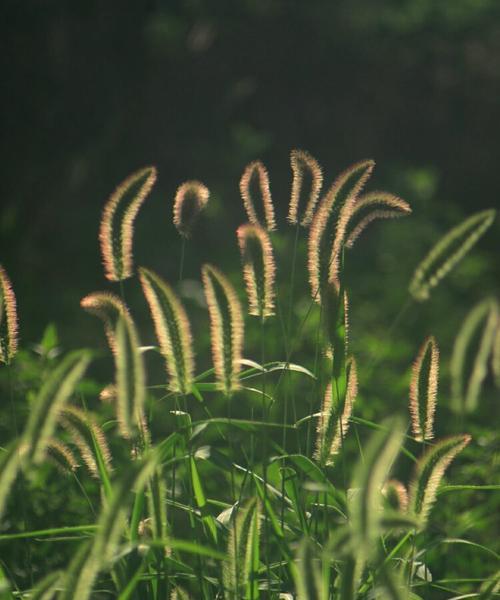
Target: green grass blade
201, 500
308, 579
111, 524
130, 378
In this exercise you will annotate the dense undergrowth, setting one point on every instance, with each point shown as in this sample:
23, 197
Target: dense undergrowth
257, 477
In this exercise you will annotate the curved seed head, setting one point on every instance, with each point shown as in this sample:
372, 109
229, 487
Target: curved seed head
117, 223
256, 173
303, 163
422, 412
321, 254
448, 252
396, 495
109, 308
226, 326
190, 199
259, 269
372, 206
172, 330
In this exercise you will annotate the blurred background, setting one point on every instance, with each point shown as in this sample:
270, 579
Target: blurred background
92, 91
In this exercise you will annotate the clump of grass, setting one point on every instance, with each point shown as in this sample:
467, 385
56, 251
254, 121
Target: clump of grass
218, 508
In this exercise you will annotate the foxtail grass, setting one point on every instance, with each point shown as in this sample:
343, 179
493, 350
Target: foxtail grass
255, 179
425, 374
117, 223
191, 198
8, 319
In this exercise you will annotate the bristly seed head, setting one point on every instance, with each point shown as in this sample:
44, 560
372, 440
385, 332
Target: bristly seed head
190, 199
116, 237
109, 308
348, 185
226, 326
8, 319
422, 415
259, 269
301, 161
256, 170
172, 330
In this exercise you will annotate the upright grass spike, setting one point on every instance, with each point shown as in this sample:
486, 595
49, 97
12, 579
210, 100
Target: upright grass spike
425, 371
308, 577
334, 420
86, 434
369, 477
465, 393
8, 319
344, 190
259, 269
50, 401
303, 163
368, 208
241, 567
348, 211
130, 379
191, 198
109, 308
429, 471
117, 223
448, 252
111, 525
61, 456
172, 330
254, 173
226, 326
396, 495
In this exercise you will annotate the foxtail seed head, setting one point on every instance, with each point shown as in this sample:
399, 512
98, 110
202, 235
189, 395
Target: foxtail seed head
226, 326
8, 319
256, 172
346, 189
259, 269
333, 425
117, 223
109, 308
190, 199
422, 414
61, 456
391, 207
85, 433
448, 252
429, 472
302, 162
396, 495
172, 330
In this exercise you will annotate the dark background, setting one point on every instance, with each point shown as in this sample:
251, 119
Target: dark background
95, 90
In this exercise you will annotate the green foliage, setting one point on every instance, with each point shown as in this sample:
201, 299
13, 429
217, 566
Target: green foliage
210, 485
